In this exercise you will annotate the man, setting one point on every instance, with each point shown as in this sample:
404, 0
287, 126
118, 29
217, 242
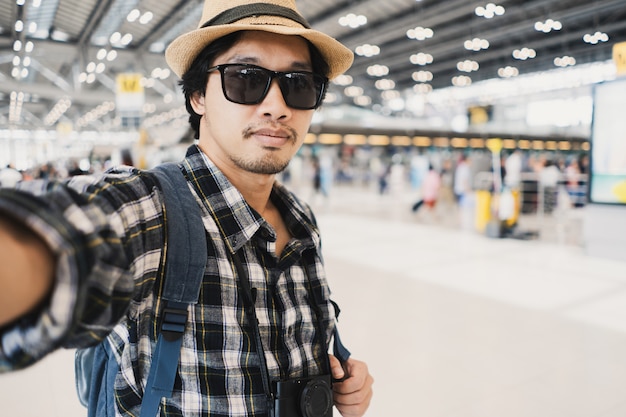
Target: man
9, 176
80, 261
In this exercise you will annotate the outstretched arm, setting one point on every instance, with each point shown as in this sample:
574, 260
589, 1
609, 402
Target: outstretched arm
26, 270
353, 395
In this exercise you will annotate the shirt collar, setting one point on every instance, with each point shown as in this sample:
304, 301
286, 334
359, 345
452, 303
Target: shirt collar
236, 220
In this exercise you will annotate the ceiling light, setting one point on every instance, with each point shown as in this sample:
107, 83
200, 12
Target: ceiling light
353, 21
422, 76
467, 66
343, 80
59, 36
126, 39
115, 37
377, 70
147, 82
385, 84
17, 45
596, 38
508, 72
362, 101
367, 50
421, 59
390, 95
353, 91
548, 26
422, 88
157, 47
146, 18
461, 81
160, 73
489, 11
330, 98
524, 54
19, 26
420, 33
133, 15
565, 61
476, 44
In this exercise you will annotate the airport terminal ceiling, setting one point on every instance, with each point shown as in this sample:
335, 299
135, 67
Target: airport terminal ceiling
60, 59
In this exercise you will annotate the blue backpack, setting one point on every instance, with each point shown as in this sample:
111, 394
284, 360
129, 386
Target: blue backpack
96, 367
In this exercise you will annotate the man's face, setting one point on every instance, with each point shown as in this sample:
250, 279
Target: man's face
260, 138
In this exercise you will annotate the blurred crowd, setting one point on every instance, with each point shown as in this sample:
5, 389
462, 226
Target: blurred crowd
433, 176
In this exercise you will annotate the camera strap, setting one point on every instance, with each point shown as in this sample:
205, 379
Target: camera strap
249, 298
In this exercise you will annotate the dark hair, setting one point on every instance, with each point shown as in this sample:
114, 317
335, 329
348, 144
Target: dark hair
194, 80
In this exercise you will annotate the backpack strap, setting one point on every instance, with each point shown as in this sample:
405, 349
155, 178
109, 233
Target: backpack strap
185, 260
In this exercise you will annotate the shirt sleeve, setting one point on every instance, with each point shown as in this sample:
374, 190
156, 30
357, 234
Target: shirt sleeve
106, 235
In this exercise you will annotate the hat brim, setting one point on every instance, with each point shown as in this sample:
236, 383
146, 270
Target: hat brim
181, 53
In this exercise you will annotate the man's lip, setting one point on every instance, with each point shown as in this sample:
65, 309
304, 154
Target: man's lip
272, 133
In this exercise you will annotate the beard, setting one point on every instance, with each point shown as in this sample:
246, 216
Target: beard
271, 162
268, 165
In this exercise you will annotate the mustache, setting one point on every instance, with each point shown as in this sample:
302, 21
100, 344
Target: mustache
278, 128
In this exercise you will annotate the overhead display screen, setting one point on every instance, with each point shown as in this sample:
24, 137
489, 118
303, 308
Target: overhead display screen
608, 144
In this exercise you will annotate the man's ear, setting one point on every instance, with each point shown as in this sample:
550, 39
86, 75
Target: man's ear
197, 102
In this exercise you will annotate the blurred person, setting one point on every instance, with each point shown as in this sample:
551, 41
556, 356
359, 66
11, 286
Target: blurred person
583, 163
10, 177
583, 182
549, 176
418, 170
572, 172
45, 171
462, 179
574, 184
127, 158
384, 178
431, 187
87, 251
75, 169
446, 193
513, 169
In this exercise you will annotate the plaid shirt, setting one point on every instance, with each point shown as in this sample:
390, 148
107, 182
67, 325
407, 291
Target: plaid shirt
108, 238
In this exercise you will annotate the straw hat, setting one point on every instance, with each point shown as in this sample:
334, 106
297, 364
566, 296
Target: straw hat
221, 17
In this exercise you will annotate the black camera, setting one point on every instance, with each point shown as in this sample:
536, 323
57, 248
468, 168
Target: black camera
308, 397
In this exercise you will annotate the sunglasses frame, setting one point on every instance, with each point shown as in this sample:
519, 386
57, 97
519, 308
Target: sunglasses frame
272, 74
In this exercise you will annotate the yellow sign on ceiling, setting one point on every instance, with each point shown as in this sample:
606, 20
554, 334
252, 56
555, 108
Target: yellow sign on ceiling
129, 83
619, 57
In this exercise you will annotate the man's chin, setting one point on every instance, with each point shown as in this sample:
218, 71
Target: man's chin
267, 166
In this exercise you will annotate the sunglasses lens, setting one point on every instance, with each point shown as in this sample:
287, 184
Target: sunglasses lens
301, 90
246, 84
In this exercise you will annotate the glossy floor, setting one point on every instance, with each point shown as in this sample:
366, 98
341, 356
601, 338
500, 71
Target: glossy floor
451, 323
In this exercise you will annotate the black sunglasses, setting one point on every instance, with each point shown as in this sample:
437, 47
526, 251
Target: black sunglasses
249, 84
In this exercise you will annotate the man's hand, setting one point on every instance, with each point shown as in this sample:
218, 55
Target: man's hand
353, 395
26, 270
